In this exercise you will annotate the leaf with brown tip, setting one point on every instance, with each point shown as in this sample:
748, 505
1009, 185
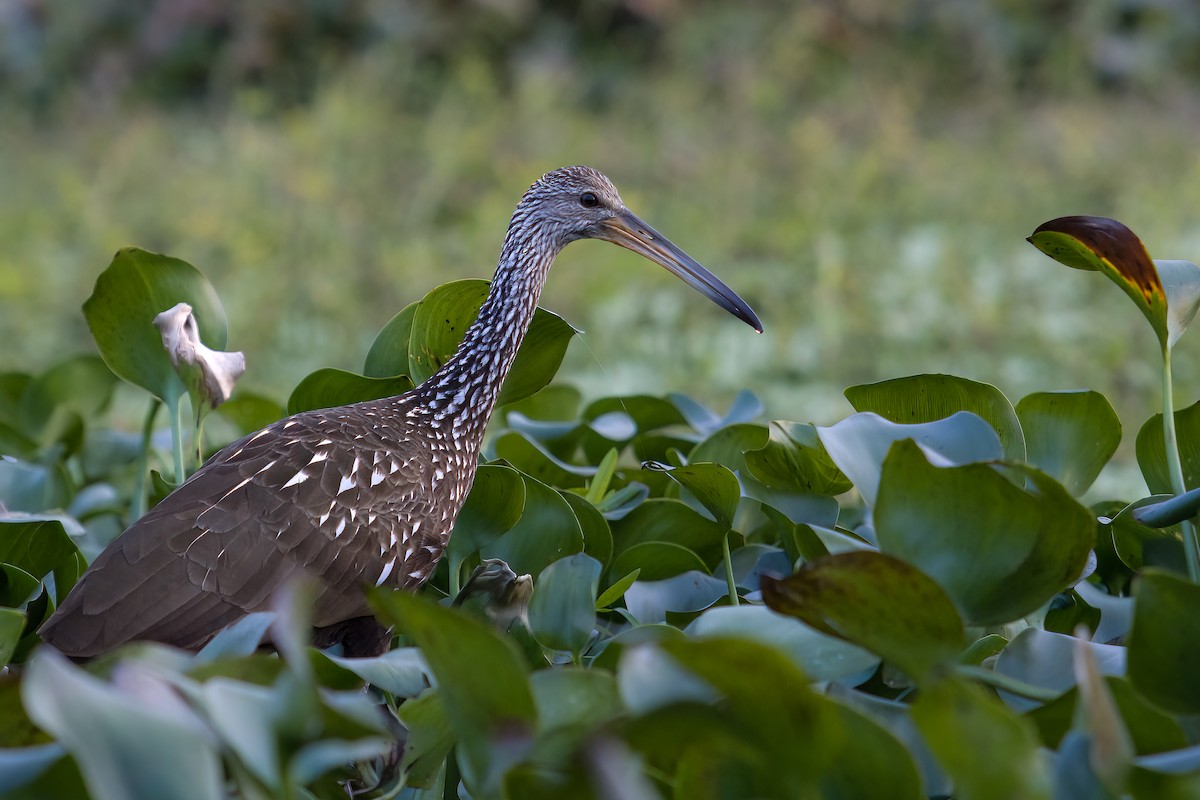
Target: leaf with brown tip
1104, 245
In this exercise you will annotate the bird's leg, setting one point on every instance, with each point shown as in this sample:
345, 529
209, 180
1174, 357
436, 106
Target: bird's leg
361, 637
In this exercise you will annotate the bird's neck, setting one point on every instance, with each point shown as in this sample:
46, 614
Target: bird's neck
464, 391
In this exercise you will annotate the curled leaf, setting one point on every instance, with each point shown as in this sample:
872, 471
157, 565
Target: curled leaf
208, 374
1105, 245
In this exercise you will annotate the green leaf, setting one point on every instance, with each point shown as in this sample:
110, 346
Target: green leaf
1164, 644
615, 592
1070, 435
597, 536
32, 488
547, 531
562, 612
41, 547
250, 412
770, 695
1046, 659
872, 763
429, 741
481, 679
493, 507
1151, 730
571, 697
442, 317
990, 753
998, 550
1151, 452
657, 561
822, 657
129, 745
79, 384
1107, 246
714, 486
875, 601
795, 459
120, 313
330, 387
12, 623
388, 355
928, 398
860, 443
666, 521
401, 672
532, 458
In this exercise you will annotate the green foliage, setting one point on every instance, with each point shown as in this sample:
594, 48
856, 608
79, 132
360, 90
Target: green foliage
899, 592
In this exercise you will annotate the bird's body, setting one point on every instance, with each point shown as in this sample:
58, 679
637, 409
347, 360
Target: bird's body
354, 496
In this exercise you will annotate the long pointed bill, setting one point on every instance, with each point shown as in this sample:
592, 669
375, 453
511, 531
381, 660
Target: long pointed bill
631, 233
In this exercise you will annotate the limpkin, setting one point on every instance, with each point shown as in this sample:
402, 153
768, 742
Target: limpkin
355, 496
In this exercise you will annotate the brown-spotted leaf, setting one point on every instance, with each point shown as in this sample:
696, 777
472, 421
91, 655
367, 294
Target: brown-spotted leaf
1105, 245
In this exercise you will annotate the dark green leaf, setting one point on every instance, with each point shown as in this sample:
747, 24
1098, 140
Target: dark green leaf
657, 560
714, 486
442, 317
430, 738
532, 458
250, 412
41, 547
875, 601
495, 504
1151, 730
873, 762
998, 550
547, 531
1164, 644
12, 623
329, 387
1070, 435
389, 352
597, 536
574, 697
927, 398
80, 384
670, 522
136, 287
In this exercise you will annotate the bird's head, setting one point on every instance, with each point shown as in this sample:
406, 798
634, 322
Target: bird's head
581, 203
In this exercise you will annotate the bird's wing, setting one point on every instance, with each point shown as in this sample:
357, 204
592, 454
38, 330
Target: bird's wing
289, 500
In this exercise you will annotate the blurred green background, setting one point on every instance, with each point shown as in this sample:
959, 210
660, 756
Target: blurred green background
863, 172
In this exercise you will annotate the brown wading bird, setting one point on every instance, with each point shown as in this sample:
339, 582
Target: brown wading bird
355, 496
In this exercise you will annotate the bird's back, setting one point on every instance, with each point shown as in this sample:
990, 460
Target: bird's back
353, 496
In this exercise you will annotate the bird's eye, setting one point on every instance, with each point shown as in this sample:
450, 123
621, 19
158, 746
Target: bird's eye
589, 200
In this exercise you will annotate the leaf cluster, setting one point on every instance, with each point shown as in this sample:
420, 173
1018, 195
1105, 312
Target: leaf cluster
913, 601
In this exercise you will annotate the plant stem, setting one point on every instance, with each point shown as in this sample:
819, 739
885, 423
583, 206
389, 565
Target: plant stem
1191, 547
1009, 684
733, 595
177, 439
138, 506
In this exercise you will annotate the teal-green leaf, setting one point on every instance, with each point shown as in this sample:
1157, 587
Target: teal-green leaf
1069, 435
859, 444
120, 313
1164, 643
795, 459
1151, 453
562, 613
481, 679
547, 531
143, 745
821, 656
494, 505
1181, 284
597, 536
875, 601
926, 398
999, 551
389, 352
442, 317
532, 458
989, 752
330, 387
